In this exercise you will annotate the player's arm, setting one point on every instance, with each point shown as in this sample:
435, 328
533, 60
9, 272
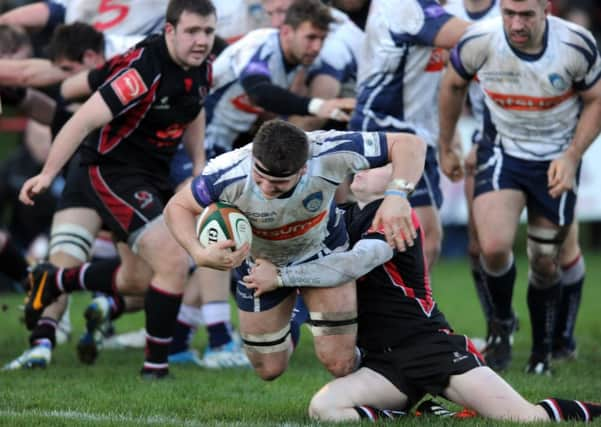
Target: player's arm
322, 86
261, 90
450, 33
30, 72
407, 153
453, 90
76, 86
562, 171
33, 16
93, 114
180, 216
332, 270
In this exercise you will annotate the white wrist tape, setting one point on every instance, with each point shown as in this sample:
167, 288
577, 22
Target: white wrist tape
314, 105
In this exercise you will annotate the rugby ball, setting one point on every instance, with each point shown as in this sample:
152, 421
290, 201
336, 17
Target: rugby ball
221, 221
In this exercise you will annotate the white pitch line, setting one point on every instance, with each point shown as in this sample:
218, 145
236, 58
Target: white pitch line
129, 420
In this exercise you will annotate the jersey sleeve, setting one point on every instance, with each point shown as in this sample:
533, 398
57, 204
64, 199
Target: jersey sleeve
56, 14
422, 23
471, 52
586, 62
133, 82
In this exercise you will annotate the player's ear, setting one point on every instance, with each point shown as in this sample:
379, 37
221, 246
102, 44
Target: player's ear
169, 28
92, 59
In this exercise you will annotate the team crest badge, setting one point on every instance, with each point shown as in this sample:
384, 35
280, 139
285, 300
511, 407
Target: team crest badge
558, 82
313, 202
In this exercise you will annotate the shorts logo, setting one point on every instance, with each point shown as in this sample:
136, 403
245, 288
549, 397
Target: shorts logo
144, 197
558, 82
129, 86
313, 202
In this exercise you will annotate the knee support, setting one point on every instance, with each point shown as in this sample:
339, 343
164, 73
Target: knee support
71, 239
273, 342
543, 253
343, 323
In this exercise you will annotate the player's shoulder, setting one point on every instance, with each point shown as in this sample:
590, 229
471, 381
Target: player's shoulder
484, 34
570, 32
234, 162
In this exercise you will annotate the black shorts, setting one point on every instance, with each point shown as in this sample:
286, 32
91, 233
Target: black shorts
126, 201
425, 364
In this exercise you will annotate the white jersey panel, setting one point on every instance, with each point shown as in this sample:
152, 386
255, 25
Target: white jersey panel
292, 229
400, 70
118, 17
532, 100
339, 55
232, 110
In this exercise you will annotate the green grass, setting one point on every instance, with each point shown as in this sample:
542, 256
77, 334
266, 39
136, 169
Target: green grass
110, 393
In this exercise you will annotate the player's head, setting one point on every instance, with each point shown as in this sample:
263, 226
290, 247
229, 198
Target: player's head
14, 42
524, 23
370, 184
276, 11
190, 31
304, 29
76, 47
280, 152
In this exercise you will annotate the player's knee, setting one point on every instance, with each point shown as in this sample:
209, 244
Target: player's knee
134, 279
72, 240
338, 364
269, 371
268, 352
319, 408
543, 254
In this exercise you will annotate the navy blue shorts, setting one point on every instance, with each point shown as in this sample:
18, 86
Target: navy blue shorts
498, 171
427, 191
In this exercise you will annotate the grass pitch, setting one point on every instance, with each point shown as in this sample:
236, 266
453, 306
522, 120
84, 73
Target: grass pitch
110, 393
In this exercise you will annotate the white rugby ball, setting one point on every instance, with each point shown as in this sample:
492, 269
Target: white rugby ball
221, 221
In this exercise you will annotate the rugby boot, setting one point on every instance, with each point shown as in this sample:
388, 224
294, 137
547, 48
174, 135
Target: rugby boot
538, 365
564, 350
38, 356
188, 357
43, 291
97, 316
229, 355
500, 340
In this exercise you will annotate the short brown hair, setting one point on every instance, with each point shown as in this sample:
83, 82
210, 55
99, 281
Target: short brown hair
313, 11
175, 8
281, 147
71, 41
12, 39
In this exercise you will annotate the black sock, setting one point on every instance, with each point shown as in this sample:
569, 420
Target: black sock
117, 305
161, 314
182, 335
501, 290
45, 330
542, 305
374, 414
479, 278
572, 280
91, 276
575, 410
12, 261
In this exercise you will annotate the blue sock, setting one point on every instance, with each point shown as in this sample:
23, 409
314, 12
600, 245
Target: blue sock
300, 315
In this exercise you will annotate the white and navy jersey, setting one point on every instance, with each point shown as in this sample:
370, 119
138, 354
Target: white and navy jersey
339, 55
118, 17
532, 103
236, 18
229, 109
117, 45
400, 70
292, 229
457, 9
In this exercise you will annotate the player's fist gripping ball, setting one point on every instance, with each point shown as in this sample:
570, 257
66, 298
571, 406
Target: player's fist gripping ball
222, 221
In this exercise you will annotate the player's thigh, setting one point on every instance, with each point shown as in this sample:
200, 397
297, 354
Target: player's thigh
496, 216
484, 391
214, 284
363, 387
72, 235
430, 222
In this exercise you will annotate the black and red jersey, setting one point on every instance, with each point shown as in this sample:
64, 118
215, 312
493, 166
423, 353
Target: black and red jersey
152, 100
395, 302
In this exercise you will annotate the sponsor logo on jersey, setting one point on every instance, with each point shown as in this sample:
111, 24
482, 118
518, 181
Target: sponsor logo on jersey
289, 231
558, 82
313, 201
144, 198
243, 103
436, 62
129, 86
371, 145
188, 84
527, 103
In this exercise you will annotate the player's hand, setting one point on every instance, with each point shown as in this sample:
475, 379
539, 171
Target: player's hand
451, 162
470, 161
337, 109
222, 256
34, 186
263, 277
561, 175
394, 217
